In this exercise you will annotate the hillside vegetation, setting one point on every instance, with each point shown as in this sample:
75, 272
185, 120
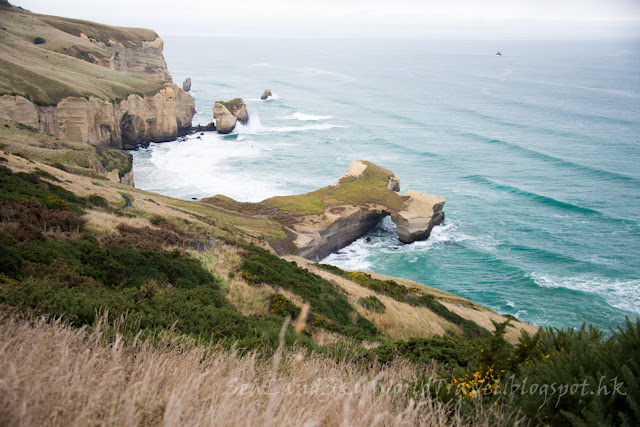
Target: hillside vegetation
45, 59
178, 301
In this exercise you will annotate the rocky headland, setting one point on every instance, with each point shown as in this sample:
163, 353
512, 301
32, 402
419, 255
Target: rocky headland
318, 223
87, 82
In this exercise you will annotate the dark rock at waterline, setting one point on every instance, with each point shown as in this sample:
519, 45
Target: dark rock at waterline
196, 129
266, 94
207, 128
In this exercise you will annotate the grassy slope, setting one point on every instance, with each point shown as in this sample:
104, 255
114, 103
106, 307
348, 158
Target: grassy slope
26, 151
49, 72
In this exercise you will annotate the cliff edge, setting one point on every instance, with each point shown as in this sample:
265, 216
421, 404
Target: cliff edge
88, 82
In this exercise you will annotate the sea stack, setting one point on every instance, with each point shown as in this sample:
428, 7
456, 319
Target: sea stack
266, 94
186, 85
227, 114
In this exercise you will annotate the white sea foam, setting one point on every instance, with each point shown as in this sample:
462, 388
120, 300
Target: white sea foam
205, 167
307, 117
622, 294
252, 129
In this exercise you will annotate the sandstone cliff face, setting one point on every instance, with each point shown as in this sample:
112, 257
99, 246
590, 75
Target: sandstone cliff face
128, 57
316, 236
419, 214
126, 124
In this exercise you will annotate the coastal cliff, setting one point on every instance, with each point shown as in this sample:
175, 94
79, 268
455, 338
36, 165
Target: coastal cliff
323, 221
87, 82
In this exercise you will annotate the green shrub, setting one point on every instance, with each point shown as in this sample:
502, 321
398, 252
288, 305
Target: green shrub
153, 290
98, 201
157, 219
605, 374
328, 303
30, 186
449, 350
39, 40
372, 303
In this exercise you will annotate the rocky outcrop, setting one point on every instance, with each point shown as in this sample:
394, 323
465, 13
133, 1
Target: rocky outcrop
227, 114
186, 85
125, 124
266, 94
419, 214
317, 235
323, 221
225, 121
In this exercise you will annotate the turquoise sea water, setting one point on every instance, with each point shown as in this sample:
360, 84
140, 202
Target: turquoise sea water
537, 152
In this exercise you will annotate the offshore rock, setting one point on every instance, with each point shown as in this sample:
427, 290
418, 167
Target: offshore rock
225, 121
266, 94
227, 114
186, 85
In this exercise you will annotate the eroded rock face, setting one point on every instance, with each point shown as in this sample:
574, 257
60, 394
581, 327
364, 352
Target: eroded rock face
266, 94
127, 57
316, 236
225, 121
419, 214
126, 124
227, 114
186, 85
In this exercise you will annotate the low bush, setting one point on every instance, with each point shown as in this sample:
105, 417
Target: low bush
39, 40
328, 303
153, 290
372, 303
280, 305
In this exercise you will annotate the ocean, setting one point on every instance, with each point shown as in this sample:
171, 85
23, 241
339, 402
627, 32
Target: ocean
537, 152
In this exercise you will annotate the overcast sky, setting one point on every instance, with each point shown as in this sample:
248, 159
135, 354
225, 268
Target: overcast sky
456, 19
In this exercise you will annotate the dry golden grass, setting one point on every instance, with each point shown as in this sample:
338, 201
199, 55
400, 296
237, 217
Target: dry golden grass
399, 320
54, 375
104, 222
484, 318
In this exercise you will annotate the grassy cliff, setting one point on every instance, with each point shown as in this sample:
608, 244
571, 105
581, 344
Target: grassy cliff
47, 58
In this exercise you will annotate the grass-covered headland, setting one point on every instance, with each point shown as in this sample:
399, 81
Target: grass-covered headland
109, 316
